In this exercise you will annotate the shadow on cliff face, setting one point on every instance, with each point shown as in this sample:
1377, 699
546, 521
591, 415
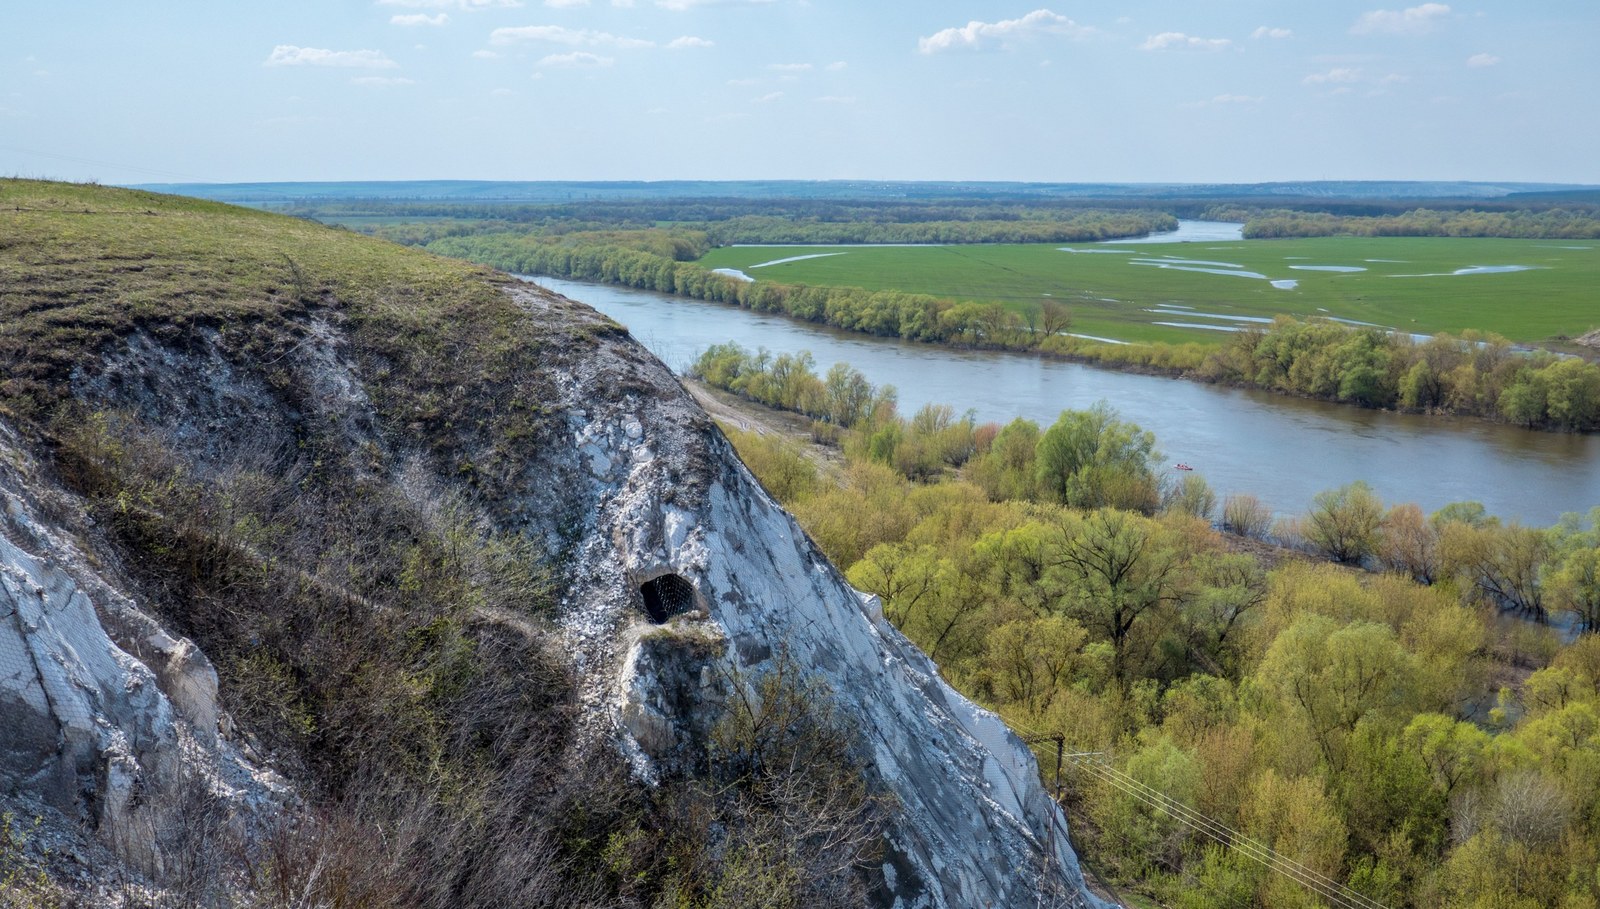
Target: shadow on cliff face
382, 643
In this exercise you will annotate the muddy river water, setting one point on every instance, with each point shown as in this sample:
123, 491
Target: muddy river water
1283, 450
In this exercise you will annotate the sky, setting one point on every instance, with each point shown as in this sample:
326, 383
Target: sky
1194, 91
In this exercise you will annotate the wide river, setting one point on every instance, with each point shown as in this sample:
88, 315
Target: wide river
1283, 450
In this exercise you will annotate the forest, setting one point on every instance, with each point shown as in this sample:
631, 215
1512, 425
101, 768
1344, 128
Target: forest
1375, 698
1575, 223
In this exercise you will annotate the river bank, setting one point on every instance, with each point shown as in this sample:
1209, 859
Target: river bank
1283, 450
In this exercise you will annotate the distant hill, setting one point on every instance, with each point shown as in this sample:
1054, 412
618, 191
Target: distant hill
572, 191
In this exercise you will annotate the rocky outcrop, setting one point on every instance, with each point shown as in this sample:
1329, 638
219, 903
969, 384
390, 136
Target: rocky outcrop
684, 582
110, 723
670, 499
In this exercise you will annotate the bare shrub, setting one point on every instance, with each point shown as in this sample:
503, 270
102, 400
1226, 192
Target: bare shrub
1244, 515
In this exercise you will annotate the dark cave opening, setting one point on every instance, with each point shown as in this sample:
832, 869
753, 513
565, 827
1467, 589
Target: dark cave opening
666, 596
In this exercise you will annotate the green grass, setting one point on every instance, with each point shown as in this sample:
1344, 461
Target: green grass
81, 265
1110, 297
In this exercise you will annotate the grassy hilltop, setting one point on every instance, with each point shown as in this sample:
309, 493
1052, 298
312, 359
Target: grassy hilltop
82, 265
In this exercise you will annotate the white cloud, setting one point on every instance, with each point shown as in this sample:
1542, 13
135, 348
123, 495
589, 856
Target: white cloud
290, 55
836, 66
382, 81
1478, 61
452, 4
1417, 20
769, 97
485, 55
502, 93
577, 59
557, 34
1341, 74
1265, 32
976, 35
565, 4
687, 41
1168, 40
789, 67
412, 19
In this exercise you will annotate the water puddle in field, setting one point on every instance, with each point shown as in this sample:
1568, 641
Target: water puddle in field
1157, 263
797, 259
1191, 313
1338, 268
1286, 284
733, 273
1395, 261
1073, 334
1352, 321
1229, 328
1125, 252
1179, 260
1475, 270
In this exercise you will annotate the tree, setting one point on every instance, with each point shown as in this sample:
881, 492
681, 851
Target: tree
1344, 522
1454, 751
1092, 459
1192, 496
1119, 572
1409, 543
1497, 564
1244, 515
1029, 660
1574, 585
1006, 470
1054, 317
1333, 677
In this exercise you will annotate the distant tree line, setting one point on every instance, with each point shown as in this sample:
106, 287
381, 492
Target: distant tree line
888, 313
1473, 374
729, 221
1549, 224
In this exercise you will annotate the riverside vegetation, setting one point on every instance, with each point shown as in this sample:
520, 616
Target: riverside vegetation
1380, 700
1470, 372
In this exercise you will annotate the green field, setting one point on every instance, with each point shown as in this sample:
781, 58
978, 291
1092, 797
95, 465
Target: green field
1111, 296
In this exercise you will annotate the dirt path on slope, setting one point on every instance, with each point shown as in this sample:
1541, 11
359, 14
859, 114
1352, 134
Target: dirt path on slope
730, 410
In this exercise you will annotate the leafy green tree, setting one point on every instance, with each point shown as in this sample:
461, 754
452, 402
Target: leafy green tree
1497, 564
1120, 571
1006, 471
1332, 677
1343, 523
1191, 495
1455, 752
1093, 459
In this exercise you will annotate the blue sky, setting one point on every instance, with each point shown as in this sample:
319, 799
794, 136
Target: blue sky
1181, 91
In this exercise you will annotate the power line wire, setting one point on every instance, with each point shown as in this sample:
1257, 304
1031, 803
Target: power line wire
1341, 895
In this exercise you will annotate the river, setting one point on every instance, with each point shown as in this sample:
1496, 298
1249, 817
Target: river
1283, 450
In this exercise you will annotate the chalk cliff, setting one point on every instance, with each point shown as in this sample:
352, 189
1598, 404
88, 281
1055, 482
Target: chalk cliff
678, 582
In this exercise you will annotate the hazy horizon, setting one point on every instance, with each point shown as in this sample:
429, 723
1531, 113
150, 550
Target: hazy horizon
658, 90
